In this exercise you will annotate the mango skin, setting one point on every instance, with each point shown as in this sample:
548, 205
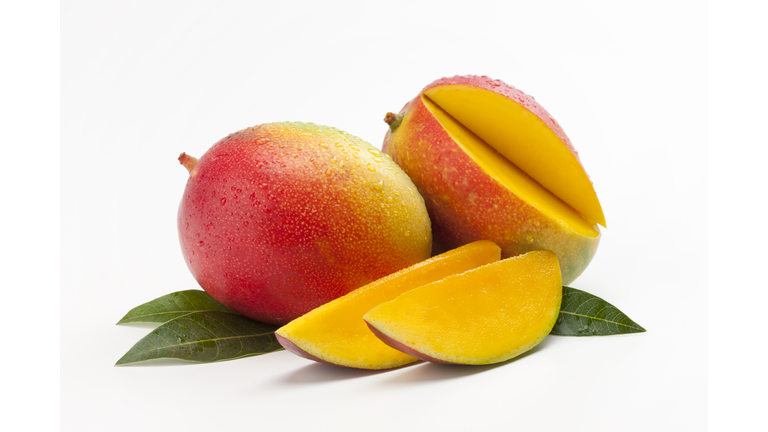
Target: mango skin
466, 204
281, 218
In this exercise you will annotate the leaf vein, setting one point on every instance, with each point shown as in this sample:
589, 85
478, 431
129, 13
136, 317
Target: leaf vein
599, 319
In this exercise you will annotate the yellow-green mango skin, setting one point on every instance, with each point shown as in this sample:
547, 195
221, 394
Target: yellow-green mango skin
466, 204
281, 218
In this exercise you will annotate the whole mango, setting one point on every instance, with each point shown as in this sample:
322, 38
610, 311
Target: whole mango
281, 218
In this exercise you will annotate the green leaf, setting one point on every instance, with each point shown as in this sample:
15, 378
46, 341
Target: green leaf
207, 336
584, 314
172, 306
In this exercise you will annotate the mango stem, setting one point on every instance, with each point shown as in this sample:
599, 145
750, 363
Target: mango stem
188, 161
393, 120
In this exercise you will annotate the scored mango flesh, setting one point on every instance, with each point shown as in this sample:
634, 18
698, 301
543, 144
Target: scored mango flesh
336, 333
486, 315
524, 139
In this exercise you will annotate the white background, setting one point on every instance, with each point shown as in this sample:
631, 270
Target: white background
143, 81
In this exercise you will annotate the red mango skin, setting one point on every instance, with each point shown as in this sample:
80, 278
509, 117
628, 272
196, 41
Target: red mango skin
281, 218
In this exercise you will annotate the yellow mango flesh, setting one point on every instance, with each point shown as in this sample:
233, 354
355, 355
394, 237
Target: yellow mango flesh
525, 140
336, 333
511, 176
486, 315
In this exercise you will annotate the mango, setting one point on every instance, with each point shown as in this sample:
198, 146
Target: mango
281, 218
493, 164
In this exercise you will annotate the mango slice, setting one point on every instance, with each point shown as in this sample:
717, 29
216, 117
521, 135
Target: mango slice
483, 316
335, 333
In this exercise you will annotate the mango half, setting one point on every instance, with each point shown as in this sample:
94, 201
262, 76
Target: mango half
491, 163
483, 316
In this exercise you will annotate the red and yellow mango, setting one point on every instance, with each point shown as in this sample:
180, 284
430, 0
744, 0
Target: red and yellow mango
491, 163
281, 218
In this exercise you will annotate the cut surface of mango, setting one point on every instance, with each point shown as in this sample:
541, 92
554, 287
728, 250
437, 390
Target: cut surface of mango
511, 176
335, 333
525, 140
486, 315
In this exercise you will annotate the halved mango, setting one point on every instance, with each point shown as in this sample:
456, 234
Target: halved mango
335, 333
483, 316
